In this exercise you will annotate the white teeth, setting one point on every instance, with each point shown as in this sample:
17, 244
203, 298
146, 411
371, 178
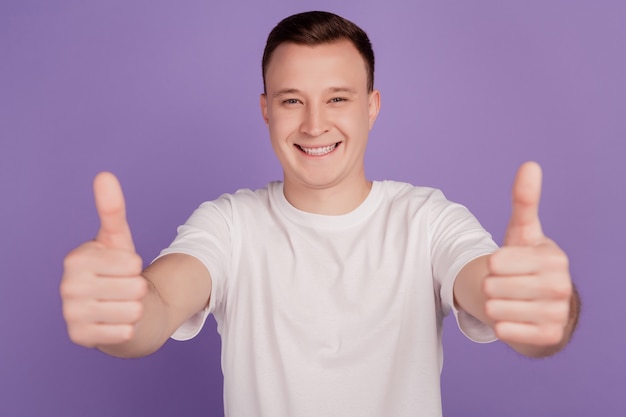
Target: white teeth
319, 151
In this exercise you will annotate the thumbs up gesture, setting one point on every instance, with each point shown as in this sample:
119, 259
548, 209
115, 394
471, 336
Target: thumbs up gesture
101, 288
529, 290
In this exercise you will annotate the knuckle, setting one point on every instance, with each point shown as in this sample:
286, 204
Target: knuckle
79, 256
79, 336
74, 335
74, 259
72, 288
493, 260
551, 334
126, 333
500, 330
135, 312
75, 312
490, 310
559, 260
562, 289
68, 290
142, 287
135, 262
554, 336
562, 313
68, 314
488, 287
135, 289
556, 289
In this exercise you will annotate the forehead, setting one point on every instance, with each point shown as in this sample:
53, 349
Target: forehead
329, 64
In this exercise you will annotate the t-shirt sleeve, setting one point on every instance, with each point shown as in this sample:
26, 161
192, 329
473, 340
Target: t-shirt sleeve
205, 236
456, 239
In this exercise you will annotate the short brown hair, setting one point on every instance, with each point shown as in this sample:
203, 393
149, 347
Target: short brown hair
315, 28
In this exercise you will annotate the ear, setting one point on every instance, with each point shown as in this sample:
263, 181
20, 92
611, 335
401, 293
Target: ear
263, 102
373, 107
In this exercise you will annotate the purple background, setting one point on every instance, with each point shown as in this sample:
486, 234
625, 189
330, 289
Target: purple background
165, 94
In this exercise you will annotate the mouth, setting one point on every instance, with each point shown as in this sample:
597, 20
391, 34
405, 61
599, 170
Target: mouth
319, 151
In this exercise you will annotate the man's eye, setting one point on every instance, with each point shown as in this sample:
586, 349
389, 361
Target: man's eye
291, 101
337, 99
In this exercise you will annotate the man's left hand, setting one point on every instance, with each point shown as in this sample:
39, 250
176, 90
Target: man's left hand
529, 289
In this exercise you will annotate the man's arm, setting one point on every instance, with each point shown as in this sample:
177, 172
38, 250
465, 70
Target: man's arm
524, 290
109, 303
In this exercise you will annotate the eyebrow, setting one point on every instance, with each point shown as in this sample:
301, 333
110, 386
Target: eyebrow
285, 92
332, 90
345, 90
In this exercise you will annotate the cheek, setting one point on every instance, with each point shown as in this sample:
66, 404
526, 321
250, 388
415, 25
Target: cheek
282, 123
280, 131
354, 123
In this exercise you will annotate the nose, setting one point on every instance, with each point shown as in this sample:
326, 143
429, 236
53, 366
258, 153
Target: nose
314, 121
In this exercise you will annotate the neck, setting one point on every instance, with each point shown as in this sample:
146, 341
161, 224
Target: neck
331, 201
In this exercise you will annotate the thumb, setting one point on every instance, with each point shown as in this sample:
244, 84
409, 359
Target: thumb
114, 230
524, 226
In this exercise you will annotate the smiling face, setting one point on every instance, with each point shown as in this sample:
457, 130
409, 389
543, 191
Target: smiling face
319, 113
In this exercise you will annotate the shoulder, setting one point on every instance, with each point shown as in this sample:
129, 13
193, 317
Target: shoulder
418, 202
242, 200
397, 192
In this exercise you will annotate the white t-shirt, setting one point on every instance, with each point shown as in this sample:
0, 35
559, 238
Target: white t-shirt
333, 315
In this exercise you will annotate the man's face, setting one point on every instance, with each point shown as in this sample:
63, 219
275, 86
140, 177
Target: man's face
319, 113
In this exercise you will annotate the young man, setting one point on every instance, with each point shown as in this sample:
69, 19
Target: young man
329, 290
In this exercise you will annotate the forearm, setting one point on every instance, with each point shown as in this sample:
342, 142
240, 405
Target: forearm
179, 287
468, 290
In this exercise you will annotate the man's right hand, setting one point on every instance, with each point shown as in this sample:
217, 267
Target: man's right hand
102, 288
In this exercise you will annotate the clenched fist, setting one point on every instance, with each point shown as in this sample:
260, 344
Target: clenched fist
101, 288
529, 289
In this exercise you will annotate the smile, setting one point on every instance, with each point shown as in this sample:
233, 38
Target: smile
318, 151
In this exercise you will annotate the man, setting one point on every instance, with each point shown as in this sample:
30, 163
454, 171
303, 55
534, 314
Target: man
329, 290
